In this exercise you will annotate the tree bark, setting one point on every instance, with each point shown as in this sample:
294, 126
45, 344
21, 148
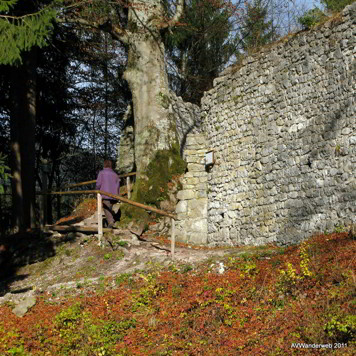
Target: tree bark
154, 127
23, 120
147, 78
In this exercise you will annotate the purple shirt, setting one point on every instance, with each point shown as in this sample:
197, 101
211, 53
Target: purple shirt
108, 181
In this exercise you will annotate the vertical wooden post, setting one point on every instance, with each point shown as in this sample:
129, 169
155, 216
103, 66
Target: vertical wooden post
100, 218
173, 238
128, 187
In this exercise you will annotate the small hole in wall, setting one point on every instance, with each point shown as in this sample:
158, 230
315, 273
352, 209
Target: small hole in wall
222, 215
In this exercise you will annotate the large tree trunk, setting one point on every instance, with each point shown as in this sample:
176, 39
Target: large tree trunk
23, 119
147, 78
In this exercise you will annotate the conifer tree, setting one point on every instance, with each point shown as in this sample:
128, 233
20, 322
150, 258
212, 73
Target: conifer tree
24, 27
256, 31
24, 24
200, 46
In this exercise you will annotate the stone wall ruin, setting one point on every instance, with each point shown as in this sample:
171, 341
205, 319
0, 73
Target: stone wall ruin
283, 129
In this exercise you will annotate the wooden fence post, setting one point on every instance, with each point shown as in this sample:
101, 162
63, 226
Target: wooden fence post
128, 187
100, 218
173, 238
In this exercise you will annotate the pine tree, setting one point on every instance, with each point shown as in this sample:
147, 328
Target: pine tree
200, 47
24, 24
24, 27
256, 31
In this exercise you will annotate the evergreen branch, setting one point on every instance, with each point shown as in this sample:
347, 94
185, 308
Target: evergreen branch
6, 5
13, 17
21, 33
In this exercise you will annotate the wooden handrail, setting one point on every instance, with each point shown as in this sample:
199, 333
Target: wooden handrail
79, 184
127, 174
124, 200
117, 197
94, 181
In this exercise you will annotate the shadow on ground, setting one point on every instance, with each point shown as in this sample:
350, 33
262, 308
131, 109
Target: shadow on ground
22, 249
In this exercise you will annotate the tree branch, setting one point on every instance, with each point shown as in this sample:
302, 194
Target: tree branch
115, 31
175, 19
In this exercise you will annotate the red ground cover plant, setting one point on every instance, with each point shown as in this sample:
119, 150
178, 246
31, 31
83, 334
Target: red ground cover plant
294, 301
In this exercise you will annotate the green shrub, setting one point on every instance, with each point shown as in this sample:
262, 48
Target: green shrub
336, 5
341, 329
18, 351
311, 18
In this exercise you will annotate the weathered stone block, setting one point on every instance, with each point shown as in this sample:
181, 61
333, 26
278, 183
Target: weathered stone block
195, 167
182, 207
186, 194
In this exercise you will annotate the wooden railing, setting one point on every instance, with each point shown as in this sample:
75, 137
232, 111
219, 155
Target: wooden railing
127, 176
99, 193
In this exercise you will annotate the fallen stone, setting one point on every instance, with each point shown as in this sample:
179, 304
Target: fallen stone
56, 234
21, 309
137, 229
134, 240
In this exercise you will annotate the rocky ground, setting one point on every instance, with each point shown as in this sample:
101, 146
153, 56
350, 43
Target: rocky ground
68, 263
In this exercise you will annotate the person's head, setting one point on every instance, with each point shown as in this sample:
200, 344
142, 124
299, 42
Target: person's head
107, 163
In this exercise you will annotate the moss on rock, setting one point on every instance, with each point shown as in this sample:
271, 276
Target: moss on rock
153, 187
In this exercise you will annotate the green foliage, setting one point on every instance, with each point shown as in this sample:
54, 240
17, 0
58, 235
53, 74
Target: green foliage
289, 276
336, 5
78, 330
123, 278
12, 341
249, 268
304, 260
316, 16
22, 26
187, 268
312, 18
6, 5
257, 31
160, 171
144, 297
4, 175
122, 243
340, 228
200, 46
341, 329
68, 318
67, 325
18, 351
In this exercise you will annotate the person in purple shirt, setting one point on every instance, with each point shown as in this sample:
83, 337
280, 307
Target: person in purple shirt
108, 181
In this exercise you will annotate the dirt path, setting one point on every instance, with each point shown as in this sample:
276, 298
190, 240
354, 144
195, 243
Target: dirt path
73, 263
